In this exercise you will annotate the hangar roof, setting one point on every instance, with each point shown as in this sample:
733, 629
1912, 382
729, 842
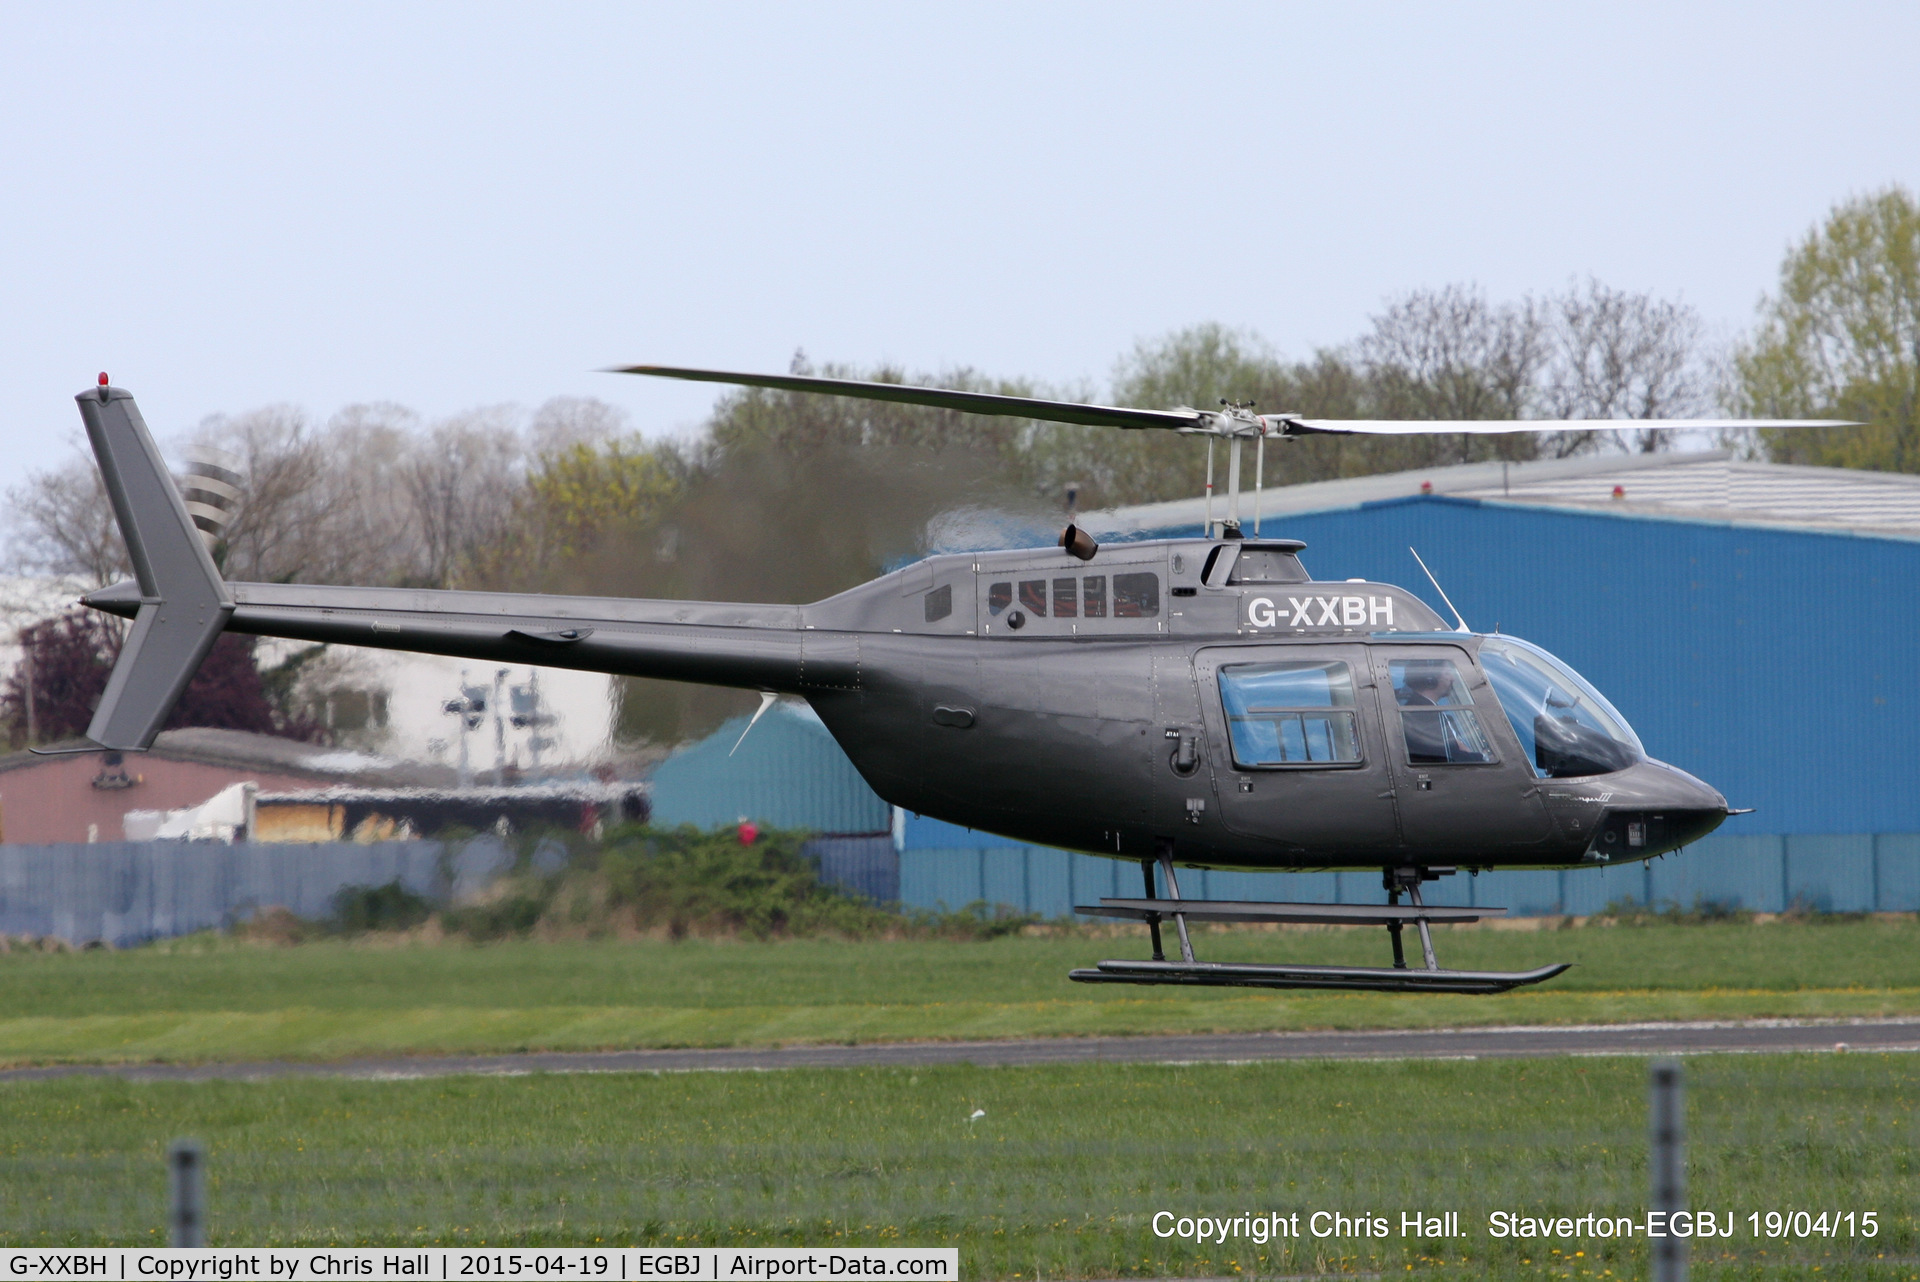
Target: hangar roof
1709, 485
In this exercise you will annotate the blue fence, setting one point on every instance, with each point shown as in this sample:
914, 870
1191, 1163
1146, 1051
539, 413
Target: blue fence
1854, 872
128, 892
867, 866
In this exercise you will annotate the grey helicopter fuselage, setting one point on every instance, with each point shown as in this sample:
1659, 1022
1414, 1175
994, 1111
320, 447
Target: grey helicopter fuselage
1202, 694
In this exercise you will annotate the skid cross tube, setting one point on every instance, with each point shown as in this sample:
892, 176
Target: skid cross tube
1393, 931
1153, 919
1397, 880
1173, 892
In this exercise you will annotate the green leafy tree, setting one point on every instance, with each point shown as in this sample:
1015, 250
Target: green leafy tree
1841, 339
585, 491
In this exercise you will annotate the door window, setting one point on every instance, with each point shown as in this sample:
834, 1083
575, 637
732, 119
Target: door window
1437, 718
1293, 713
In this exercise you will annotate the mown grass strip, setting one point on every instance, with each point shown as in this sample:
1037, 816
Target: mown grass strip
211, 973
1058, 1176
310, 1034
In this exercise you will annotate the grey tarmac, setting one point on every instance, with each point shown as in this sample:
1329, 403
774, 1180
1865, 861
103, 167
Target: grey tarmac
1749, 1037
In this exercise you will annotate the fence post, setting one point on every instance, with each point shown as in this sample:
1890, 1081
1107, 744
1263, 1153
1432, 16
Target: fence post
187, 1194
1667, 1163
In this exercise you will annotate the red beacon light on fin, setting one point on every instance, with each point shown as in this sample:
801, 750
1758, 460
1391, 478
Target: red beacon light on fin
103, 378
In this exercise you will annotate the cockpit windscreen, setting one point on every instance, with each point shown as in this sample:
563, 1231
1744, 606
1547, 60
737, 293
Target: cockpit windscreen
1566, 726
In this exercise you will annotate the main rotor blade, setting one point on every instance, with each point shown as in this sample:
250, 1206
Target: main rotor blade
1189, 420
940, 398
1429, 427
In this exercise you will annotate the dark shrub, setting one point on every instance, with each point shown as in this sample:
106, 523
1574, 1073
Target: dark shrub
388, 907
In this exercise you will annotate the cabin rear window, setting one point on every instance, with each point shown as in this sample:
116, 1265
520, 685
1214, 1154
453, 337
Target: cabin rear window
1093, 596
1296, 713
1066, 598
1136, 596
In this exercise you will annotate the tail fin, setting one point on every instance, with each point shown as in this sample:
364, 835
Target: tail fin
183, 602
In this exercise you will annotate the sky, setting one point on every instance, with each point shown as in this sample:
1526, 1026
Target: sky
468, 205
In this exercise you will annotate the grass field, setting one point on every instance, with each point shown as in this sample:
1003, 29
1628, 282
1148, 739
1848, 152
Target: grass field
210, 998
1059, 1178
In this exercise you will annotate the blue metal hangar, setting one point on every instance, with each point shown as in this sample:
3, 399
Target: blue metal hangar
1752, 622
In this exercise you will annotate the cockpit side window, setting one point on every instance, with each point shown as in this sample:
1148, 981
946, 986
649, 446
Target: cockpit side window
1436, 715
1563, 724
1296, 713
939, 603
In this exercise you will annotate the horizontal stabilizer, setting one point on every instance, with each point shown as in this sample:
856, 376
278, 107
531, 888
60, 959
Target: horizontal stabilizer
184, 604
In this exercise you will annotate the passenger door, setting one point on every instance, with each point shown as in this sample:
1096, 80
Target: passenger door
1298, 750
1461, 787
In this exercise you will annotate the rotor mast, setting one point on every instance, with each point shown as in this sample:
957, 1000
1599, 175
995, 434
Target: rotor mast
1236, 422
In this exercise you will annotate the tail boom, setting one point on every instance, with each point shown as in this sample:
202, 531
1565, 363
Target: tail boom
763, 647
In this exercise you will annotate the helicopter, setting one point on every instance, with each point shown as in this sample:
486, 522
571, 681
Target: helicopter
1193, 702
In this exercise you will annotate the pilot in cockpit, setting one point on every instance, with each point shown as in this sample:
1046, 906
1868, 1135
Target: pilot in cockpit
1437, 735
1424, 683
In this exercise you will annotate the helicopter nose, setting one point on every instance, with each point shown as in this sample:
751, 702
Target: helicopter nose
1697, 807
1660, 808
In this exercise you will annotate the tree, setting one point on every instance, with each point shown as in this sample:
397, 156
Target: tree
1841, 339
1618, 355
461, 481
583, 493
1450, 354
62, 524
53, 690
65, 661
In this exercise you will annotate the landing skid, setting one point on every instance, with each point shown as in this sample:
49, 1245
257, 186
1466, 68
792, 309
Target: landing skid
1399, 978
1372, 979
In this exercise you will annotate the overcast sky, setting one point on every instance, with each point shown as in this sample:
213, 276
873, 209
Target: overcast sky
475, 204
